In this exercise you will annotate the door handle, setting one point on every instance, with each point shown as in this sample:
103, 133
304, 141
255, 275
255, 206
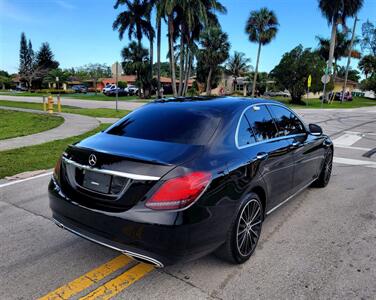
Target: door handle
262, 156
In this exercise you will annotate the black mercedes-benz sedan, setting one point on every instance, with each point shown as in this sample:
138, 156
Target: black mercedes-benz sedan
180, 178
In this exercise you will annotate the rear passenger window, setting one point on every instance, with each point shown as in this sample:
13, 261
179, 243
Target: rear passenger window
261, 122
245, 134
287, 122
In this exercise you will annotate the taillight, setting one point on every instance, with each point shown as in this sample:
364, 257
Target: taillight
57, 170
179, 192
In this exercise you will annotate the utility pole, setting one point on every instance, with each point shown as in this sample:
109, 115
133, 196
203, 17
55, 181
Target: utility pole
349, 59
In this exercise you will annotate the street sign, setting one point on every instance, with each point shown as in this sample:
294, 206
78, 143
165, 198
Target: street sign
309, 81
325, 78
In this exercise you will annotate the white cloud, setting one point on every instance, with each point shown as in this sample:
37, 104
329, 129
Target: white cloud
65, 4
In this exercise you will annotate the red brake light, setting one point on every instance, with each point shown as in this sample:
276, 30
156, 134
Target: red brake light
179, 192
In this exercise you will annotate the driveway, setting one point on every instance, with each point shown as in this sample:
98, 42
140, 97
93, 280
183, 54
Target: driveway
319, 245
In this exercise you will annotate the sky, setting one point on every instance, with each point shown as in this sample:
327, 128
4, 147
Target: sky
80, 31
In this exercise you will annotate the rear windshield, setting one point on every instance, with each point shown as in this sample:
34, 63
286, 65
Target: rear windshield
184, 125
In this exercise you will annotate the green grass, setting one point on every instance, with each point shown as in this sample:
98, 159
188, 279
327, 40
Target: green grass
92, 112
16, 123
43, 156
316, 103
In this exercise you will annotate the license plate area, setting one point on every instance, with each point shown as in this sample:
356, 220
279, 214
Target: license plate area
97, 182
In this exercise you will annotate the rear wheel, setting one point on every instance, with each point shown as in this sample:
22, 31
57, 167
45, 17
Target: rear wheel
326, 171
244, 233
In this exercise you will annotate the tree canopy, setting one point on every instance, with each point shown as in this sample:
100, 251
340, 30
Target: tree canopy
294, 68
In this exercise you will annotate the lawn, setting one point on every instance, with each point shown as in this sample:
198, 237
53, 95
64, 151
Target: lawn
316, 103
92, 112
43, 156
16, 123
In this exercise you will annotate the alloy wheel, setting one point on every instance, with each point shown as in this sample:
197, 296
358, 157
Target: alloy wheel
249, 227
328, 167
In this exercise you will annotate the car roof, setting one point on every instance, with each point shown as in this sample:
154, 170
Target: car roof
224, 103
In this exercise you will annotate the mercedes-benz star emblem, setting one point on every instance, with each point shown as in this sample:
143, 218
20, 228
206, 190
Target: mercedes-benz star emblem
92, 160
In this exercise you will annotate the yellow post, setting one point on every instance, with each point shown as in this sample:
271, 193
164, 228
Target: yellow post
44, 104
50, 105
59, 104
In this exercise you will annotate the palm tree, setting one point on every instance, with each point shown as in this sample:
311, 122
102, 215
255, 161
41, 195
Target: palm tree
134, 19
341, 49
136, 61
159, 16
261, 27
186, 20
336, 12
368, 65
238, 65
215, 50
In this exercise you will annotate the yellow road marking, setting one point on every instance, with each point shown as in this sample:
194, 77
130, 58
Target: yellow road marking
83, 282
116, 285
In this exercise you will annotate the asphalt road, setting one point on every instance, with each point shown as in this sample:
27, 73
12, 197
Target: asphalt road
319, 245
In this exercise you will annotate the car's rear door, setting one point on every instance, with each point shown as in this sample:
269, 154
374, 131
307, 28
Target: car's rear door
270, 153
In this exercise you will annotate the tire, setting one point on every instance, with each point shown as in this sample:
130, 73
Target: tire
326, 171
242, 239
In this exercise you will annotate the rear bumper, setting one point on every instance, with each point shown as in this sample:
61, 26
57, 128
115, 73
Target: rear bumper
135, 253
145, 237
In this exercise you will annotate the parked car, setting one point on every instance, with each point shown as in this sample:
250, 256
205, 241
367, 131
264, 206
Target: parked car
79, 88
108, 88
120, 91
158, 189
21, 88
132, 89
277, 94
338, 96
347, 96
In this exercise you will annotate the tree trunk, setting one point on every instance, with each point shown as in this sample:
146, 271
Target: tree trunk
159, 56
95, 86
332, 44
208, 82
172, 57
150, 87
187, 72
256, 71
181, 61
331, 52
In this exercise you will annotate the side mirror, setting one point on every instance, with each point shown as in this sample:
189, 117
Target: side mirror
315, 129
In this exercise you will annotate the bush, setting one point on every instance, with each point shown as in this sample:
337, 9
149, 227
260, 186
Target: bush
54, 91
122, 84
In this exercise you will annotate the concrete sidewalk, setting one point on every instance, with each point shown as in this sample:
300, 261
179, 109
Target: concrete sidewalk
73, 125
126, 105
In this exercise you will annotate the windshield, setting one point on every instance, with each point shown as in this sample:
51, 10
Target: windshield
173, 124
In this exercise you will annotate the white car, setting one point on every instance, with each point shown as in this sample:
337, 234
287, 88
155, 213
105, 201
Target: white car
132, 89
108, 88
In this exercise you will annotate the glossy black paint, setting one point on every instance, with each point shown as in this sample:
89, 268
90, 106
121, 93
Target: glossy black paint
274, 169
